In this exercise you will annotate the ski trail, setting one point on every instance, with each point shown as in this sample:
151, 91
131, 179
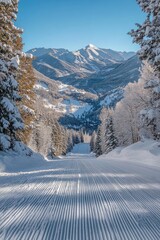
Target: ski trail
81, 198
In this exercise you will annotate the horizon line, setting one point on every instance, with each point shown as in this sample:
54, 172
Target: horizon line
90, 44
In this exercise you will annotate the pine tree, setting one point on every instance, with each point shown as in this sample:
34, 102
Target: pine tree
82, 136
58, 142
111, 140
26, 80
98, 146
52, 148
69, 140
147, 36
108, 140
10, 49
37, 137
148, 119
93, 142
104, 115
64, 139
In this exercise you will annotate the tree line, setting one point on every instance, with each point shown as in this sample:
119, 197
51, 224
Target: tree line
22, 119
137, 115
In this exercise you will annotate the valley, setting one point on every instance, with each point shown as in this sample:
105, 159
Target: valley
76, 85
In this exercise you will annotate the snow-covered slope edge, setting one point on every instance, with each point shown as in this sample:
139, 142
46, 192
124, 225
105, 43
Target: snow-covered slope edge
20, 160
147, 152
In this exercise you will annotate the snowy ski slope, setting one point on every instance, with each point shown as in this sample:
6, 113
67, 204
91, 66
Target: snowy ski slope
82, 198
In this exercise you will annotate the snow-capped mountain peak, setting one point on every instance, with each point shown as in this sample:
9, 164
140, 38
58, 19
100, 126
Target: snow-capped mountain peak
69, 67
91, 46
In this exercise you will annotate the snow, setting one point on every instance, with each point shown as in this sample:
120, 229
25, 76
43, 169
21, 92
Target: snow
76, 108
82, 110
42, 85
69, 106
107, 101
110, 69
151, 114
6, 1
156, 90
5, 140
92, 46
152, 83
29, 55
157, 58
80, 197
7, 104
112, 97
3, 67
28, 110
60, 107
63, 87
13, 82
144, 152
20, 160
148, 113
15, 62
81, 148
69, 89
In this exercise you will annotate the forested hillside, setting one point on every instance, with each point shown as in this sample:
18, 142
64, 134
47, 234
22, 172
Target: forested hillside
23, 118
137, 116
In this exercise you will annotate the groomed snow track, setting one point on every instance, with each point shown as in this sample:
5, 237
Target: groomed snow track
81, 198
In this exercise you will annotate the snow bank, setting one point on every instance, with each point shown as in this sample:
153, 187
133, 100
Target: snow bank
20, 160
147, 151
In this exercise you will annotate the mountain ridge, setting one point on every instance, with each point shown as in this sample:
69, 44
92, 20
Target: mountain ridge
38, 51
79, 67
76, 85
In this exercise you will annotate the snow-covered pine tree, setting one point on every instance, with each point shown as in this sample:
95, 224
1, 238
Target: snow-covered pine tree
10, 49
147, 36
108, 139
57, 139
69, 141
52, 148
111, 140
148, 118
104, 116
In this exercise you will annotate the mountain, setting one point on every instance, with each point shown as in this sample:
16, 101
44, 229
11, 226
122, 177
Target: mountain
110, 78
76, 85
69, 104
61, 64
74, 108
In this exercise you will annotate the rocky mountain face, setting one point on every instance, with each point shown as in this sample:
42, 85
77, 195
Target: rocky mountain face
69, 104
79, 66
76, 85
109, 78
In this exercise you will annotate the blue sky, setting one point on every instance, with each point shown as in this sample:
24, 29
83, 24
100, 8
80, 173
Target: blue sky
73, 24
